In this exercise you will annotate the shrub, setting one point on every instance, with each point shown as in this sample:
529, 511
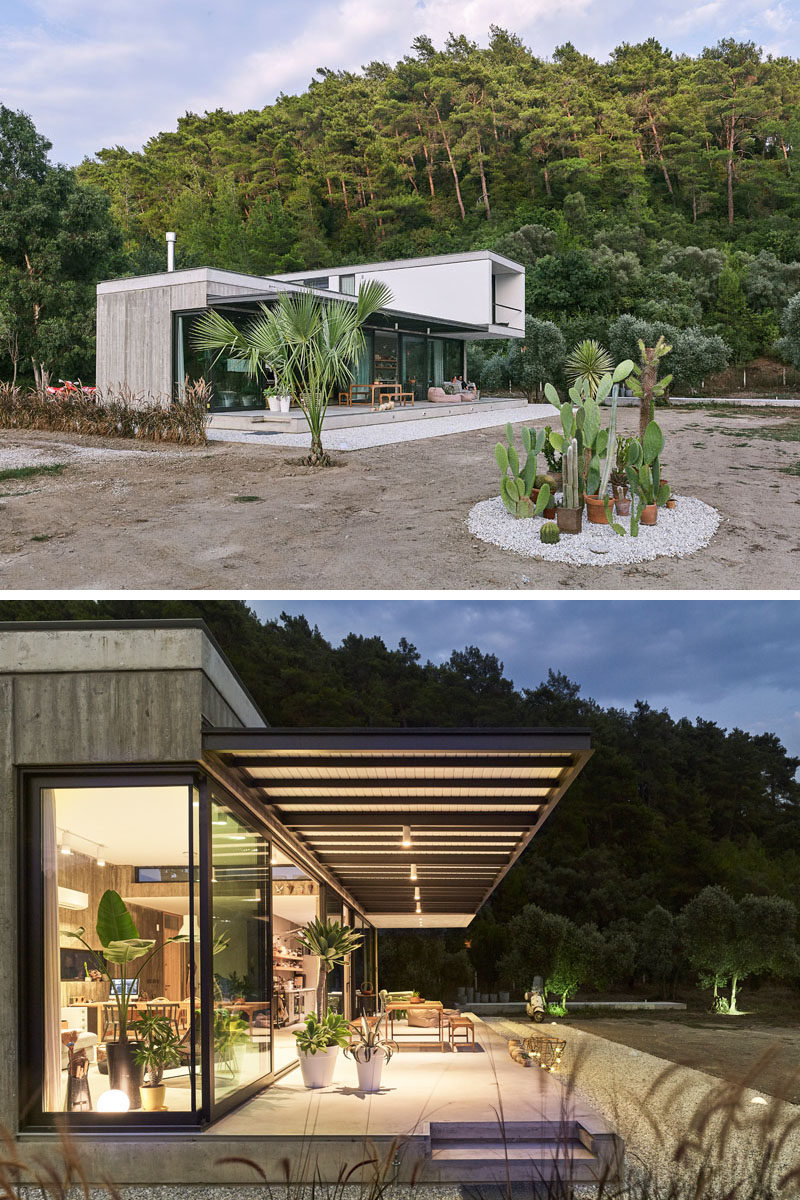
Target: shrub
110, 414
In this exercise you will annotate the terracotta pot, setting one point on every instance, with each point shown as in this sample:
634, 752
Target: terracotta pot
549, 513
649, 515
670, 503
596, 510
623, 506
569, 519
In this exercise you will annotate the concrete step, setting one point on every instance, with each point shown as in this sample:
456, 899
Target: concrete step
472, 1150
511, 1131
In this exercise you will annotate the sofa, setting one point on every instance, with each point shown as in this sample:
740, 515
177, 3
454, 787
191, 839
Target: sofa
437, 395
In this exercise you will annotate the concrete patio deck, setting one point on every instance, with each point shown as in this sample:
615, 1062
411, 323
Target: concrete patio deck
454, 1116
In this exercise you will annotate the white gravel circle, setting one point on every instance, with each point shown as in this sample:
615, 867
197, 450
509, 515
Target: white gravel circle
680, 531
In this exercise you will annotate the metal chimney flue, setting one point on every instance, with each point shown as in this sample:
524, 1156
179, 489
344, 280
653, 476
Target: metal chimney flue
171, 240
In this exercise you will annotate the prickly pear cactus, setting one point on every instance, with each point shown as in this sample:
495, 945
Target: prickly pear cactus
549, 533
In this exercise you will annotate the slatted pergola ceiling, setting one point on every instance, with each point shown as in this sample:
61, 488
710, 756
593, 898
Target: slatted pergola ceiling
467, 801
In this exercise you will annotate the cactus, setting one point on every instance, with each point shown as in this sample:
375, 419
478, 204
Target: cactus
549, 533
515, 488
643, 470
570, 470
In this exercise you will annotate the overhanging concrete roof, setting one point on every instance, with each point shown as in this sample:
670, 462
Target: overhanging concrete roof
387, 811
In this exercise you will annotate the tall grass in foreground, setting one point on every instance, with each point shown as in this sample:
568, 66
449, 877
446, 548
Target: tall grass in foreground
121, 413
729, 1149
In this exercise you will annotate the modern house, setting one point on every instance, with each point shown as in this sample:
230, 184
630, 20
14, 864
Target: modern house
438, 304
133, 759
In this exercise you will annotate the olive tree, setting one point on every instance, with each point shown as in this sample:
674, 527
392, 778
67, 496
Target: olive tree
537, 358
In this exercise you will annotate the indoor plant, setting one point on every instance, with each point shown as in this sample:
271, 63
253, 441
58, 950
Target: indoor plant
122, 945
156, 1049
230, 1032
370, 1051
318, 1045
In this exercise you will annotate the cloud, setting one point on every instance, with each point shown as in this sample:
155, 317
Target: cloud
95, 74
734, 662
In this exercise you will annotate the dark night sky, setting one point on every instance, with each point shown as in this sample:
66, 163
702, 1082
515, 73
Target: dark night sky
736, 662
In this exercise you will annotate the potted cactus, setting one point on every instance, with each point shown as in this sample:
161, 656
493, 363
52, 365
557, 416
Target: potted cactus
568, 513
619, 479
644, 476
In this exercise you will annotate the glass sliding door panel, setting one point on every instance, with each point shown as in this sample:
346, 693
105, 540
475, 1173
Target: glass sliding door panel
385, 356
435, 362
240, 892
453, 358
414, 375
295, 902
134, 841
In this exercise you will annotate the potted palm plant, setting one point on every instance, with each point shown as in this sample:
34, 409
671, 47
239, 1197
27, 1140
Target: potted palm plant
330, 942
121, 945
154, 1051
231, 1032
318, 1045
370, 1051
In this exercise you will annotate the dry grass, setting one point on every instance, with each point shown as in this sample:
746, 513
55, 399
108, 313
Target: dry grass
110, 414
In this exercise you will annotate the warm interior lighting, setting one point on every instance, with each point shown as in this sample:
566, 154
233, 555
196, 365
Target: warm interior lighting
413, 872
65, 849
113, 1101
406, 835
99, 859
419, 908
416, 893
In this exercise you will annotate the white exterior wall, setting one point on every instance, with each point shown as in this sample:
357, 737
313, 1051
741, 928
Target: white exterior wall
460, 292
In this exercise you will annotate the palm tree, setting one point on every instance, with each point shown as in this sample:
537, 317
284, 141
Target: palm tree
588, 362
309, 344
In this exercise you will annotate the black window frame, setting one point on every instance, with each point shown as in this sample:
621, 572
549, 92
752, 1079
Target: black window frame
30, 1067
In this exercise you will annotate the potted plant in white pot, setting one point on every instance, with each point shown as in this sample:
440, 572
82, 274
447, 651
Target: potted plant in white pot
272, 399
155, 1050
370, 1051
318, 1045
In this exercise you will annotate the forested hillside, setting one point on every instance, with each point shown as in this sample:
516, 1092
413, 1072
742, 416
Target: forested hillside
663, 808
657, 185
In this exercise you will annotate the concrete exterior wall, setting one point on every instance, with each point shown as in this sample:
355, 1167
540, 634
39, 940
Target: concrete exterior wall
89, 696
134, 324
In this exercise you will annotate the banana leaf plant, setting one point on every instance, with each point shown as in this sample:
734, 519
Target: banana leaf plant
121, 945
330, 942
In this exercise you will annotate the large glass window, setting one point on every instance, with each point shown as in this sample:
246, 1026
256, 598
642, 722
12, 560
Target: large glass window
118, 863
232, 388
241, 1025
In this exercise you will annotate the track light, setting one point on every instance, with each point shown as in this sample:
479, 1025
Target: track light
99, 859
413, 872
416, 893
419, 908
65, 849
406, 835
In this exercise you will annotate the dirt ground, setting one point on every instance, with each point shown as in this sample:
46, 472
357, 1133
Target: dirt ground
733, 1048
250, 517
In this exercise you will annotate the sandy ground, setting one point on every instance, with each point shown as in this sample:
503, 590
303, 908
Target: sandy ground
391, 517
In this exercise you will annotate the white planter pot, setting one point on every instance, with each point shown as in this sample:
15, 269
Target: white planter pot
273, 402
317, 1069
285, 403
369, 1073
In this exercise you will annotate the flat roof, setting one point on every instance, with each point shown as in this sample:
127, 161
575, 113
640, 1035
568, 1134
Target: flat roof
390, 811
399, 263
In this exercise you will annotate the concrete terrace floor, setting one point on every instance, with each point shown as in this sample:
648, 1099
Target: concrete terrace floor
444, 1110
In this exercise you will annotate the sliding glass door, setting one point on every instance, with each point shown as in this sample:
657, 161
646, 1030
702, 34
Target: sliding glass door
241, 1023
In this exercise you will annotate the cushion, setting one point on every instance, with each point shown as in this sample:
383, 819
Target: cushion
424, 1018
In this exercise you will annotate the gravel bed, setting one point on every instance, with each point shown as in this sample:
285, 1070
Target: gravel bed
13, 457
652, 1103
362, 437
680, 531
